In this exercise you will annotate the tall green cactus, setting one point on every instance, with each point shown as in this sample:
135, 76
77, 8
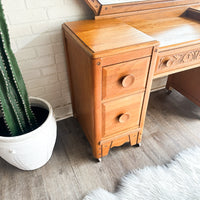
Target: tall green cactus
14, 102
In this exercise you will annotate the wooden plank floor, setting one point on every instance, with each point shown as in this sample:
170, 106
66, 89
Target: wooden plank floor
172, 125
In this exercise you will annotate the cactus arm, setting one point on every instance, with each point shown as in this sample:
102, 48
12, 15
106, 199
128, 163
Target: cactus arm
21, 89
17, 77
9, 93
16, 99
9, 116
13, 95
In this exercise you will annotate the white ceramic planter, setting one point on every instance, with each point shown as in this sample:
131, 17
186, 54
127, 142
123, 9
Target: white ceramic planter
32, 150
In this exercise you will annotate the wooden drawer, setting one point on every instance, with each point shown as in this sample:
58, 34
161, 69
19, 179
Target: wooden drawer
125, 78
169, 61
122, 114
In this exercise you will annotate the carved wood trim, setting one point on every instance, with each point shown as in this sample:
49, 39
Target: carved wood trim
106, 146
171, 61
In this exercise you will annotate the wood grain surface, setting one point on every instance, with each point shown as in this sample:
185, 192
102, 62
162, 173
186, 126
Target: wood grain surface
169, 31
112, 111
108, 34
125, 78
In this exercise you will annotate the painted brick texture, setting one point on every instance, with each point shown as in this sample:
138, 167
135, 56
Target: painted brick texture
36, 39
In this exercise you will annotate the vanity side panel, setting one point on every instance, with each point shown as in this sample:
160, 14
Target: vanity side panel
187, 83
80, 73
147, 92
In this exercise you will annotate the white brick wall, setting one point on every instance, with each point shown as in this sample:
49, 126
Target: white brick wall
36, 39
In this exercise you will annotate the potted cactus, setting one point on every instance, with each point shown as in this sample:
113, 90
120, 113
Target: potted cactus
27, 125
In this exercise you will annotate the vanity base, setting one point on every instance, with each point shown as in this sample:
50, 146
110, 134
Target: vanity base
113, 59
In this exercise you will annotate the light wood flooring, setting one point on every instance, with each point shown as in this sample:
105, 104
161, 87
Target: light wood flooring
172, 125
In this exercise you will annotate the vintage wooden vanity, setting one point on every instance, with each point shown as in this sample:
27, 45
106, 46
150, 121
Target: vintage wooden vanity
113, 59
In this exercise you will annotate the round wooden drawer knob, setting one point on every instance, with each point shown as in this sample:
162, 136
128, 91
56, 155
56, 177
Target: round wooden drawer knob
167, 62
124, 117
128, 80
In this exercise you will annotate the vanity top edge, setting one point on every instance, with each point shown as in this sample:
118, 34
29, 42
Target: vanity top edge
108, 34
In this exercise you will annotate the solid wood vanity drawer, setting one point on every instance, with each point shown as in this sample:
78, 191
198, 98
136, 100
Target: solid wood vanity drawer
122, 114
170, 61
125, 78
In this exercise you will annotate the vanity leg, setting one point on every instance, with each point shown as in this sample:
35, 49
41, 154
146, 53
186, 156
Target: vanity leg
105, 149
133, 139
169, 85
139, 139
169, 90
139, 145
97, 151
101, 150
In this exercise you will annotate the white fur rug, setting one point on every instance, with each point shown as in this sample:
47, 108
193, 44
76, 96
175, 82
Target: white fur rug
179, 180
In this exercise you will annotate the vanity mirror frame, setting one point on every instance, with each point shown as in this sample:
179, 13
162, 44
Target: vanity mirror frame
110, 9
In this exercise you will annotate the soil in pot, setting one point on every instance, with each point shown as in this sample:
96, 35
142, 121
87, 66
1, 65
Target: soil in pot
41, 115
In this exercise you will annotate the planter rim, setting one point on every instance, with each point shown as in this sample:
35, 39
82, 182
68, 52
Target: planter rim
19, 138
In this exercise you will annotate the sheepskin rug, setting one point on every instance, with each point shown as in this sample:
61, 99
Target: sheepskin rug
179, 180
